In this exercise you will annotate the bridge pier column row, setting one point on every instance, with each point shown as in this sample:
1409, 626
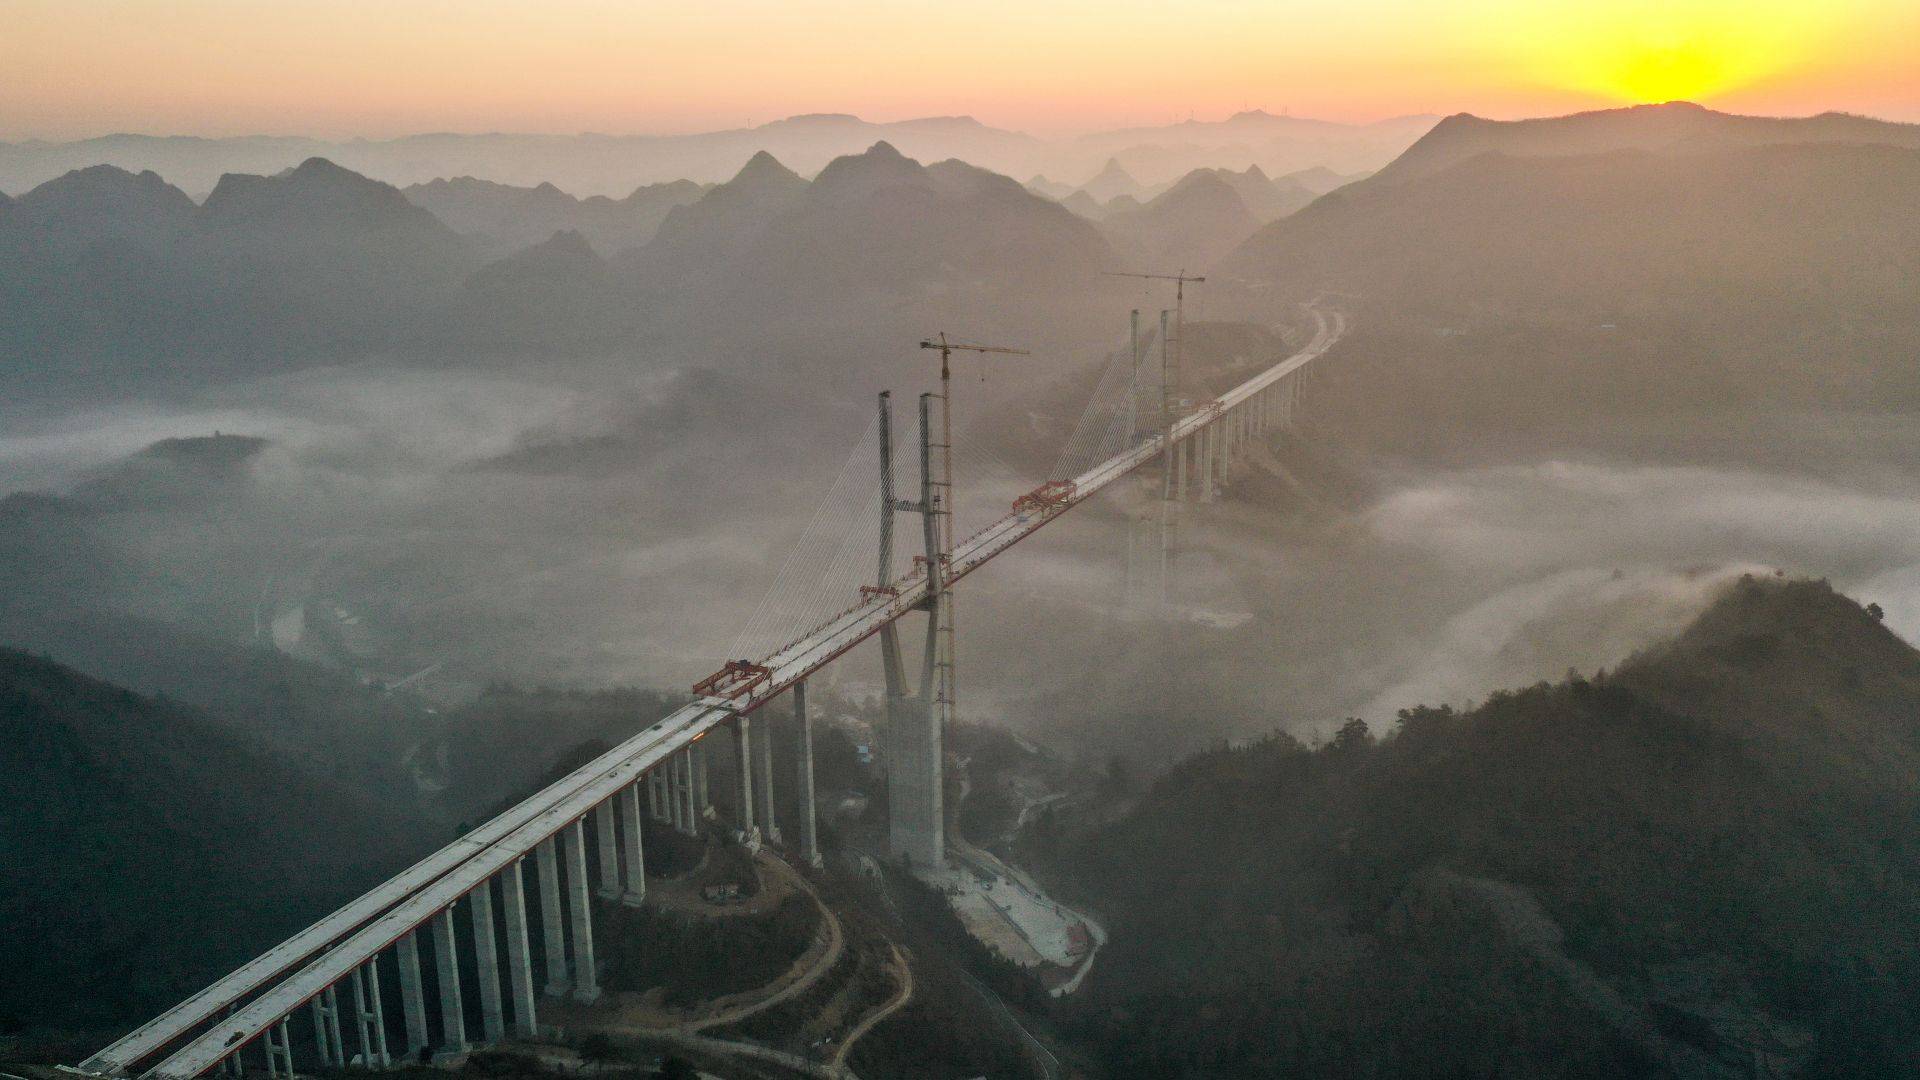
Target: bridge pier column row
564, 899
1201, 460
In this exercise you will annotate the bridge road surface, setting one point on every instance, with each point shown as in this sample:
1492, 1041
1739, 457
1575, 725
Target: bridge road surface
357, 932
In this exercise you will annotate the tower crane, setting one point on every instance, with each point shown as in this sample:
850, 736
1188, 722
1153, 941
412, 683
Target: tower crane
940, 505
1170, 373
916, 824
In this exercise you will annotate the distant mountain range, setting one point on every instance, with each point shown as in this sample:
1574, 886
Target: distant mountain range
872, 223
502, 218
120, 278
1201, 218
613, 166
1635, 270
111, 279
1675, 126
102, 271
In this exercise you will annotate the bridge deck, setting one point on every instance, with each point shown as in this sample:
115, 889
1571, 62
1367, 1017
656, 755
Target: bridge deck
350, 936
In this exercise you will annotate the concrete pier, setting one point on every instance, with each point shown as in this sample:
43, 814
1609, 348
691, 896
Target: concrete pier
322, 1045
486, 962
513, 896
702, 795
1179, 472
369, 1016
634, 892
608, 850
413, 1003
803, 774
586, 982
691, 809
763, 787
326, 1016
446, 963
1207, 452
278, 1042
743, 747
552, 918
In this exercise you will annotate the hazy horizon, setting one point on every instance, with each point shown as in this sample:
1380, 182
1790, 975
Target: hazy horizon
343, 70
749, 125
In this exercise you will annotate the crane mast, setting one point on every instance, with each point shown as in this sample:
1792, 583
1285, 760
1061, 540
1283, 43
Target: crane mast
1170, 371
916, 827
1172, 360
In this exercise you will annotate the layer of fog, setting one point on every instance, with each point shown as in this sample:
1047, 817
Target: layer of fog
600, 525
1445, 588
580, 524
614, 165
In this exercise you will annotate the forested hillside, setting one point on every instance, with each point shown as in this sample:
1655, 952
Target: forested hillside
148, 850
1634, 282
1699, 865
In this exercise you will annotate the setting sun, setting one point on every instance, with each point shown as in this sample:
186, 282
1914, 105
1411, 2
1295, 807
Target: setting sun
572, 65
1648, 52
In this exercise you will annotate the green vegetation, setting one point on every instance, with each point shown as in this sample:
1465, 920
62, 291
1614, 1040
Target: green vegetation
148, 851
1703, 860
1645, 304
789, 1025
697, 959
948, 1029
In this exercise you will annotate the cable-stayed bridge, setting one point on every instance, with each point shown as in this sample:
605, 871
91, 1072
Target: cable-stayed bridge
583, 834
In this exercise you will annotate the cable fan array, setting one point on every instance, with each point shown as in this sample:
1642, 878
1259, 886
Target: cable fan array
837, 554
839, 550
1112, 420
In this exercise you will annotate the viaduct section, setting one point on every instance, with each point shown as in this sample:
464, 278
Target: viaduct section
327, 979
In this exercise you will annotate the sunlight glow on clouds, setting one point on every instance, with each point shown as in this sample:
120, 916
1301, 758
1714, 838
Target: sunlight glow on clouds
335, 67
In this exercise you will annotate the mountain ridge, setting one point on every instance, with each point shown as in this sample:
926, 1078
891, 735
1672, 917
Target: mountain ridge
1676, 869
1672, 125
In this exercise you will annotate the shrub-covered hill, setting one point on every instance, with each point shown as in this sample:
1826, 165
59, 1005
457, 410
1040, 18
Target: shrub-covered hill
1704, 864
147, 850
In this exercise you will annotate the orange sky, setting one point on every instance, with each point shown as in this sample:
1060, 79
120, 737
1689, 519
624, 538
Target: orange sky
357, 67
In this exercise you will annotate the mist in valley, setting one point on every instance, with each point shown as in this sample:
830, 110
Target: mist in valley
612, 522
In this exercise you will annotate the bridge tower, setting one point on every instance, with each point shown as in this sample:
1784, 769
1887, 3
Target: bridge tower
916, 742
1172, 458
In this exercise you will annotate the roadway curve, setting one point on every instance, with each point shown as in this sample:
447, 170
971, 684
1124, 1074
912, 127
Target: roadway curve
791, 983
872, 1019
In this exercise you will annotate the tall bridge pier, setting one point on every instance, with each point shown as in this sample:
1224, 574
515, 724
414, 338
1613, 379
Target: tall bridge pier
915, 742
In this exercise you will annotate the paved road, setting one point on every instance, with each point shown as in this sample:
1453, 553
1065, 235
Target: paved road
873, 1019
